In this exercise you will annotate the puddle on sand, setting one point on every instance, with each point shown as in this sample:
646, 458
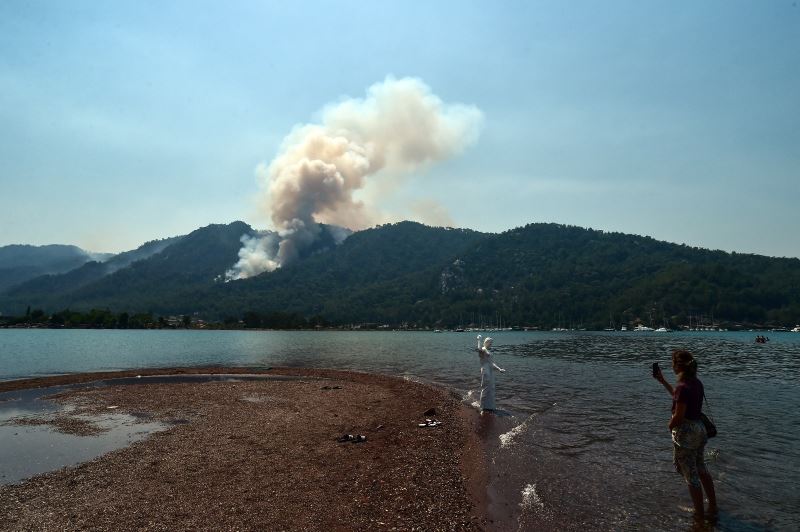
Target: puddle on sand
30, 449
27, 450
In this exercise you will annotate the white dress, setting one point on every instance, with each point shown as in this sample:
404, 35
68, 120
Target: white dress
487, 379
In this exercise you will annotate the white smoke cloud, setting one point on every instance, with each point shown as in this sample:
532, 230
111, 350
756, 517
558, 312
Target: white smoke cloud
256, 256
400, 126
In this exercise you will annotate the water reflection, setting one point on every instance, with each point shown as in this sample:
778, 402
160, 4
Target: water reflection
27, 450
30, 444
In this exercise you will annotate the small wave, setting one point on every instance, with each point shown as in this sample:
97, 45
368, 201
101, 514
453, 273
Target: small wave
531, 499
507, 439
469, 399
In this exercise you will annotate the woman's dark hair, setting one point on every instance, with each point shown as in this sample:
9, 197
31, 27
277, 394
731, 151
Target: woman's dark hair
685, 362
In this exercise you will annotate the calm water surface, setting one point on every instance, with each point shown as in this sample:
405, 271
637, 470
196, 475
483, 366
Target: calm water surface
582, 442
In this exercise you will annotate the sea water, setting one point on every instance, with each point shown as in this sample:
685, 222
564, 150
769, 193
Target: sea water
581, 439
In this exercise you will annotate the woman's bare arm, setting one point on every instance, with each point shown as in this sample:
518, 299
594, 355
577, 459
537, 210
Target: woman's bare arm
660, 378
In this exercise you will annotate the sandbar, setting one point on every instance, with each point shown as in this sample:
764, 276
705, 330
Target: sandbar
265, 455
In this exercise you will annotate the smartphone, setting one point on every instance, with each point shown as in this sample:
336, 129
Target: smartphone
656, 369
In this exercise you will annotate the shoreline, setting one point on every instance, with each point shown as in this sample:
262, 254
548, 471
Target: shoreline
245, 454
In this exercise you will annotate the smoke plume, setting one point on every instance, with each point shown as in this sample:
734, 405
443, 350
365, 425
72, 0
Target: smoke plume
400, 126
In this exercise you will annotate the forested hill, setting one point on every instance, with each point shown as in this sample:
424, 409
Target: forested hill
375, 275
40, 289
551, 275
18, 263
176, 268
541, 275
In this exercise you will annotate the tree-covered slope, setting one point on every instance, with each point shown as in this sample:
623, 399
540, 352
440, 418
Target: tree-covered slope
541, 274
176, 272
18, 263
377, 273
39, 290
549, 275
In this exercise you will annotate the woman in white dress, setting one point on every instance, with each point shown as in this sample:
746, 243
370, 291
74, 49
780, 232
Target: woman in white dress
487, 374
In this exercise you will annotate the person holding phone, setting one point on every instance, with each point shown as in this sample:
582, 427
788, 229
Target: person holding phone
688, 432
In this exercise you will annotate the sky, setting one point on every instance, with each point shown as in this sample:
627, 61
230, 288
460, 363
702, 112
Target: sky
128, 121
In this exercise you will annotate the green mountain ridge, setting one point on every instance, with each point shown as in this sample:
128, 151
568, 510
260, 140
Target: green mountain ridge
541, 275
21, 262
180, 269
41, 288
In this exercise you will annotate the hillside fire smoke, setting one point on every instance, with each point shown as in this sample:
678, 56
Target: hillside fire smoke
400, 126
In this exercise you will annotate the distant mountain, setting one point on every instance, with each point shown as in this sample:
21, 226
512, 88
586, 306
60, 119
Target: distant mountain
18, 263
542, 275
39, 289
174, 268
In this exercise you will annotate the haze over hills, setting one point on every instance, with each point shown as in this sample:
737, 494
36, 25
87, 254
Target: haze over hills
44, 286
542, 275
176, 263
21, 262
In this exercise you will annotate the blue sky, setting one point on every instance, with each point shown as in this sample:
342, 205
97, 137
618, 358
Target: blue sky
122, 122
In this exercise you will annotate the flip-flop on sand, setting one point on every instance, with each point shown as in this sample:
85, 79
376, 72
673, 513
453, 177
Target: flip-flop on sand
355, 438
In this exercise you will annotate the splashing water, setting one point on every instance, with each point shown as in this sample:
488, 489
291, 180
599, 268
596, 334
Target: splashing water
531, 499
507, 439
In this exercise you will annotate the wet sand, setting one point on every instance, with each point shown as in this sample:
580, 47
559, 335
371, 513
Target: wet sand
263, 454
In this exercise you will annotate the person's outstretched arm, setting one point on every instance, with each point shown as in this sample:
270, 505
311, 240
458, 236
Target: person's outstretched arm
498, 368
660, 378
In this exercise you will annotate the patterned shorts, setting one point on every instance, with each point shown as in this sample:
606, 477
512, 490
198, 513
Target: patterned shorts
689, 443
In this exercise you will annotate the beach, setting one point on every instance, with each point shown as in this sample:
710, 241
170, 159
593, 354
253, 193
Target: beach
262, 454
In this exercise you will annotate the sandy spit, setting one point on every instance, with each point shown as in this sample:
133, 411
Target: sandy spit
264, 455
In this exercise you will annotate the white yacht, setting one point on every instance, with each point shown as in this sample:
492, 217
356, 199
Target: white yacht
796, 328
640, 328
